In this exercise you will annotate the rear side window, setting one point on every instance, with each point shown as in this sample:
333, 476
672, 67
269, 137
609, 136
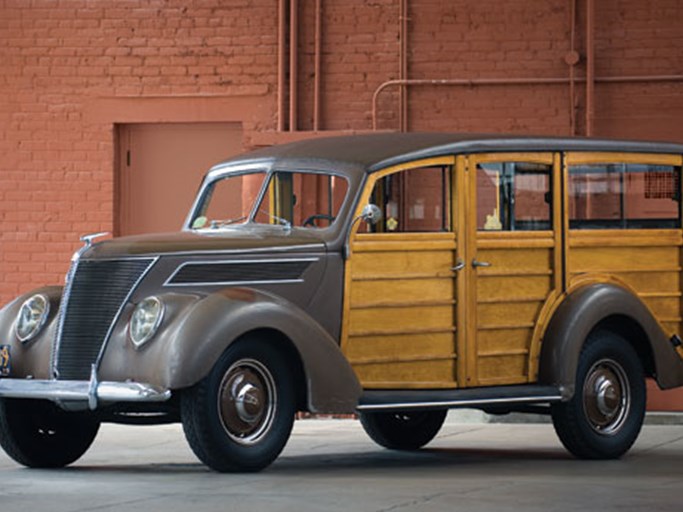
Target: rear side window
624, 196
514, 196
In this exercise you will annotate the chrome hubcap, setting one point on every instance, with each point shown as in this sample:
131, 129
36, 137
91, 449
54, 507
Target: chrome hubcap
246, 401
606, 397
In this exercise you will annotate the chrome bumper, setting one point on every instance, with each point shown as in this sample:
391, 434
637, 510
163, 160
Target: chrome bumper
92, 392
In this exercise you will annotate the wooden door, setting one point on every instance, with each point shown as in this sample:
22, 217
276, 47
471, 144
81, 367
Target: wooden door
514, 262
400, 296
161, 167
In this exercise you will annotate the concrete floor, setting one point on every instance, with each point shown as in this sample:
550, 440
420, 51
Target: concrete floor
331, 465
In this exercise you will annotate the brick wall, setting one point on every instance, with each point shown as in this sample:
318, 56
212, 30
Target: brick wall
69, 69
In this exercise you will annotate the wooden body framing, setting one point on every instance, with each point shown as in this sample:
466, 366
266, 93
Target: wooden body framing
411, 321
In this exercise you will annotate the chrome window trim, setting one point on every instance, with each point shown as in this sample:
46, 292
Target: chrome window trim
217, 174
168, 283
269, 170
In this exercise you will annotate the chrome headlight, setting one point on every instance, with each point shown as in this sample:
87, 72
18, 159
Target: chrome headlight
32, 317
145, 321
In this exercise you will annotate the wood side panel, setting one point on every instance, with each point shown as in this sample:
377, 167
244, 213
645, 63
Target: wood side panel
508, 309
405, 291
424, 317
409, 374
400, 329
648, 261
366, 349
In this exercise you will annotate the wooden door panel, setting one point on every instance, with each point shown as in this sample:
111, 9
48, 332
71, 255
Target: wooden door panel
515, 265
401, 311
509, 297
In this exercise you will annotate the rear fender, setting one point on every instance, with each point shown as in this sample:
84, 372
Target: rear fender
580, 313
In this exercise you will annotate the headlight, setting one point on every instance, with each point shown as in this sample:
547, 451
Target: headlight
32, 317
145, 320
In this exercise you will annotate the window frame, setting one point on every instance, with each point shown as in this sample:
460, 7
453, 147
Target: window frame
623, 159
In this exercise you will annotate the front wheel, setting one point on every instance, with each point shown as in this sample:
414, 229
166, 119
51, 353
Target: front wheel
240, 416
38, 434
405, 430
604, 417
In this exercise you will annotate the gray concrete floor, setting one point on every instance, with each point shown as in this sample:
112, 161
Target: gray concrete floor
331, 465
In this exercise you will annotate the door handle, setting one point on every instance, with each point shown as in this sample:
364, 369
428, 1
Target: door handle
476, 263
459, 265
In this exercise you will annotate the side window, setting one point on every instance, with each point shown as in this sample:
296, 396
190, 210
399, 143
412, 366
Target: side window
304, 199
415, 200
623, 196
514, 196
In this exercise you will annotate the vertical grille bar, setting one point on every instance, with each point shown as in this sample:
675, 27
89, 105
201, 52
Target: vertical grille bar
95, 296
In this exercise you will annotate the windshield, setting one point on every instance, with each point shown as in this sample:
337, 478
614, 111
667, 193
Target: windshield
310, 200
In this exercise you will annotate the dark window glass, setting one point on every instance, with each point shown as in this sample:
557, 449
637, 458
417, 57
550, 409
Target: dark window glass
302, 199
621, 196
413, 201
514, 196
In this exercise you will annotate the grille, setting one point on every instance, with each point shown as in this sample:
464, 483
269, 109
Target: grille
98, 290
240, 272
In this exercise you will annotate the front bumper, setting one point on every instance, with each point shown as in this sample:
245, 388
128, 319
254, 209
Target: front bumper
91, 392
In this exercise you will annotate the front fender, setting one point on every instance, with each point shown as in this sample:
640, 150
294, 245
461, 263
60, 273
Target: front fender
579, 314
199, 328
32, 358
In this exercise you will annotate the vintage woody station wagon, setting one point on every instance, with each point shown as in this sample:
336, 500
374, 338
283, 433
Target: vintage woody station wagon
392, 275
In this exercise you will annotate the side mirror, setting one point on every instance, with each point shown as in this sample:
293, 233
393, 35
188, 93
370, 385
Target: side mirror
371, 214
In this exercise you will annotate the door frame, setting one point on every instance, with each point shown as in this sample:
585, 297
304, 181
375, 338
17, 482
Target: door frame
467, 336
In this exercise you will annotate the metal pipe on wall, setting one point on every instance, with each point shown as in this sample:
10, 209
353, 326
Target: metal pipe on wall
293, 64
317, 65
512, 81
403, 64
572, 59
590, 65
281, 57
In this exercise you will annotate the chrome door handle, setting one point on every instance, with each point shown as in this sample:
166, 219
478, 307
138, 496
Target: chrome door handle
459, 265
476, 263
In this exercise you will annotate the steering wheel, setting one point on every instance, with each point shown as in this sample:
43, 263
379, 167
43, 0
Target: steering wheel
310, 221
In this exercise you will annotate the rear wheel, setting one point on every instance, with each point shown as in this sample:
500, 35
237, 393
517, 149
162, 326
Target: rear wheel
240, 416
38, 434
605, 415
406, 430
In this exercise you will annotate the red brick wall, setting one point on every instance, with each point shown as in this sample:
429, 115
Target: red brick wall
71, 69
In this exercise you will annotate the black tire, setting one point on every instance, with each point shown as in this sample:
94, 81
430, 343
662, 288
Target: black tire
38, 434
240, 416
405, 430
605, 415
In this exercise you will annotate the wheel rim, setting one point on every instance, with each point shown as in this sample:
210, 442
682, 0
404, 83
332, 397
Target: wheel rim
247, 401
606, 397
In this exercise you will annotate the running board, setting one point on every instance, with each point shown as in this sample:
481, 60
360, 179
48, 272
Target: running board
477, 398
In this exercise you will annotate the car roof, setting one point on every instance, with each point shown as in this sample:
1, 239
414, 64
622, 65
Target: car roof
368, 153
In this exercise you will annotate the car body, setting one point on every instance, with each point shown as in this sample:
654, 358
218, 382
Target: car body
391, 275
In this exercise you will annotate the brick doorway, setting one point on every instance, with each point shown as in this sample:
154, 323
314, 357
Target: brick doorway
160, 167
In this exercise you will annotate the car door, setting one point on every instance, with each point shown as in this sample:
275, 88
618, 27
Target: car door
400, 288
514, 262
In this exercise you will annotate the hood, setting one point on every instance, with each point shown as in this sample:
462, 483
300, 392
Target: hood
243, 239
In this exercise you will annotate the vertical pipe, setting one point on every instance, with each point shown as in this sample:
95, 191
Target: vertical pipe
590, 65
293, 63
317, 66
403, 65
281, 56
572, 88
